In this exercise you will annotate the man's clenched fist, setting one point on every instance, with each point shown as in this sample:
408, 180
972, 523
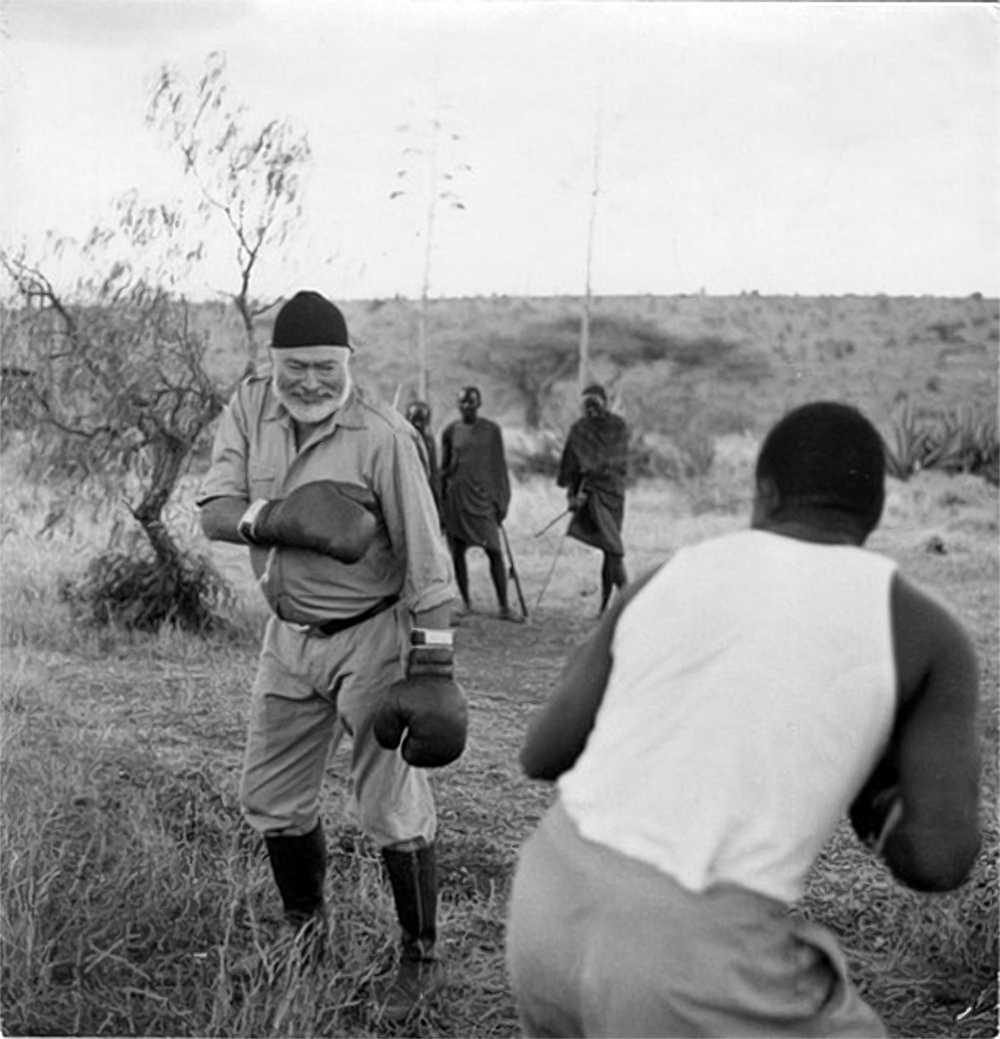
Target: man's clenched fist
319, 517
427, 705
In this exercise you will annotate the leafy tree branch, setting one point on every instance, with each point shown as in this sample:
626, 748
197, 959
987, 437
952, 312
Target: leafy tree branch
248, 174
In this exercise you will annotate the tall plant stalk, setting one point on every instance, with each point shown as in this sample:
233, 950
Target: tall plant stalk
436, 192
585, 317
432, 196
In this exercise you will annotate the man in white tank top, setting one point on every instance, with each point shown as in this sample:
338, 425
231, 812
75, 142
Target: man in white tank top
729, 711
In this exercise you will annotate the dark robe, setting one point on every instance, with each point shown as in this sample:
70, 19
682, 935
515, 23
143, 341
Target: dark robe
594, 463
428, 456
475, 487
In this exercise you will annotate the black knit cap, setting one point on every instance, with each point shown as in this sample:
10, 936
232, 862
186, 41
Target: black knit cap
309, 319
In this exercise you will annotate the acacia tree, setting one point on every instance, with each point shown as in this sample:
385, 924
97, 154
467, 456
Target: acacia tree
107, 378
530, 364
111, 390
247, 172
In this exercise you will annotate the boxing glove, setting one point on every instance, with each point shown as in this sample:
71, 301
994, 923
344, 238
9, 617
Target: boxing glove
878, 806
427, 705
318, 516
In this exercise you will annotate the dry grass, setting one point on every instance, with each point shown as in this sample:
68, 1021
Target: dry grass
129, 876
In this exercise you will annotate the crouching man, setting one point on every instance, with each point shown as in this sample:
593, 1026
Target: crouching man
327, 488
729, 712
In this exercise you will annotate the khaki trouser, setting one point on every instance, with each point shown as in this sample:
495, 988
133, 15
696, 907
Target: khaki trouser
304, 683
600, 944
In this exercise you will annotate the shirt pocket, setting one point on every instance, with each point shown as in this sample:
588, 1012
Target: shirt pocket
262, 480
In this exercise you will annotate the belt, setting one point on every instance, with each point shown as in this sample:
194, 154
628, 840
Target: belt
331, 627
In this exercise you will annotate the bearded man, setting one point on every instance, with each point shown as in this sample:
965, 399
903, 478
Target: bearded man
326, 486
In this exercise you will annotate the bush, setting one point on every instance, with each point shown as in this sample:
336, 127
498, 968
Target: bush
904, 457
533, 452
947, 331
960, 441
141, 593
685, 456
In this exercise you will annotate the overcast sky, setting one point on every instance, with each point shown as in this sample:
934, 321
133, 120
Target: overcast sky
785, 147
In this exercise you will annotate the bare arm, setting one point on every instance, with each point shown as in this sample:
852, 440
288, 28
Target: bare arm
219, 518
569, 468
934, 754
503, 476
558, 732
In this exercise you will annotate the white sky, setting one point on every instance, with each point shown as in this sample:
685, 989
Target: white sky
785, 147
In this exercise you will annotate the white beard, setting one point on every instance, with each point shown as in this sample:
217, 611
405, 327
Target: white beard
310, 414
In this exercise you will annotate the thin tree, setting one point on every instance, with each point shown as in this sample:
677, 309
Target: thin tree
247, 172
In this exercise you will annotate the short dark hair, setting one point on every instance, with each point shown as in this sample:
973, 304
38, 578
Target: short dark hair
419, 409
595, 389
826, 455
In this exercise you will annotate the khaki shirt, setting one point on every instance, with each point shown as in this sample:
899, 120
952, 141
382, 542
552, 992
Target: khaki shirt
365, 444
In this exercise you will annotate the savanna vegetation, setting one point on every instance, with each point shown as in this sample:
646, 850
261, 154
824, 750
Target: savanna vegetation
129, 875
129, 642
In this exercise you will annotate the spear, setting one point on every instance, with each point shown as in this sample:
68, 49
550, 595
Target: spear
564, 512
513, 573
548, 578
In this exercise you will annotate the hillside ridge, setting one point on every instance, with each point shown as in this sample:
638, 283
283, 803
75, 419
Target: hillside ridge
875, 351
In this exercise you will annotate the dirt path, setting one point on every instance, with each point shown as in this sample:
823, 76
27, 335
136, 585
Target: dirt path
507, 670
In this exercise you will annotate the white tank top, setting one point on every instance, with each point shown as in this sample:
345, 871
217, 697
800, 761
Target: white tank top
752, 689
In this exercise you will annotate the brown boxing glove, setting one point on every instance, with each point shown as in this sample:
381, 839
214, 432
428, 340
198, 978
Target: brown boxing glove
319, 517
428, 705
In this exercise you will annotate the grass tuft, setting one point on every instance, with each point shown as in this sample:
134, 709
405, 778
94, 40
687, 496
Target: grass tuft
141, 593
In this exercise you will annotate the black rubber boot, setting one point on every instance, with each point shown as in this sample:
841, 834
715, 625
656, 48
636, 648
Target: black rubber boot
299, 867
413, 878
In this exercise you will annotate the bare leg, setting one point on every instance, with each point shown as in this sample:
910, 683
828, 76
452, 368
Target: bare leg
458, 549
499, 575
612, 576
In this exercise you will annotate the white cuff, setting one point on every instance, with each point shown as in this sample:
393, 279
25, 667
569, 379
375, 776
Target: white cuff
432, 637
249, 518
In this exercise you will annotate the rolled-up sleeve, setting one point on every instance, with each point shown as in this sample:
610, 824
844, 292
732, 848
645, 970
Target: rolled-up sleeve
412, 524
227, 472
